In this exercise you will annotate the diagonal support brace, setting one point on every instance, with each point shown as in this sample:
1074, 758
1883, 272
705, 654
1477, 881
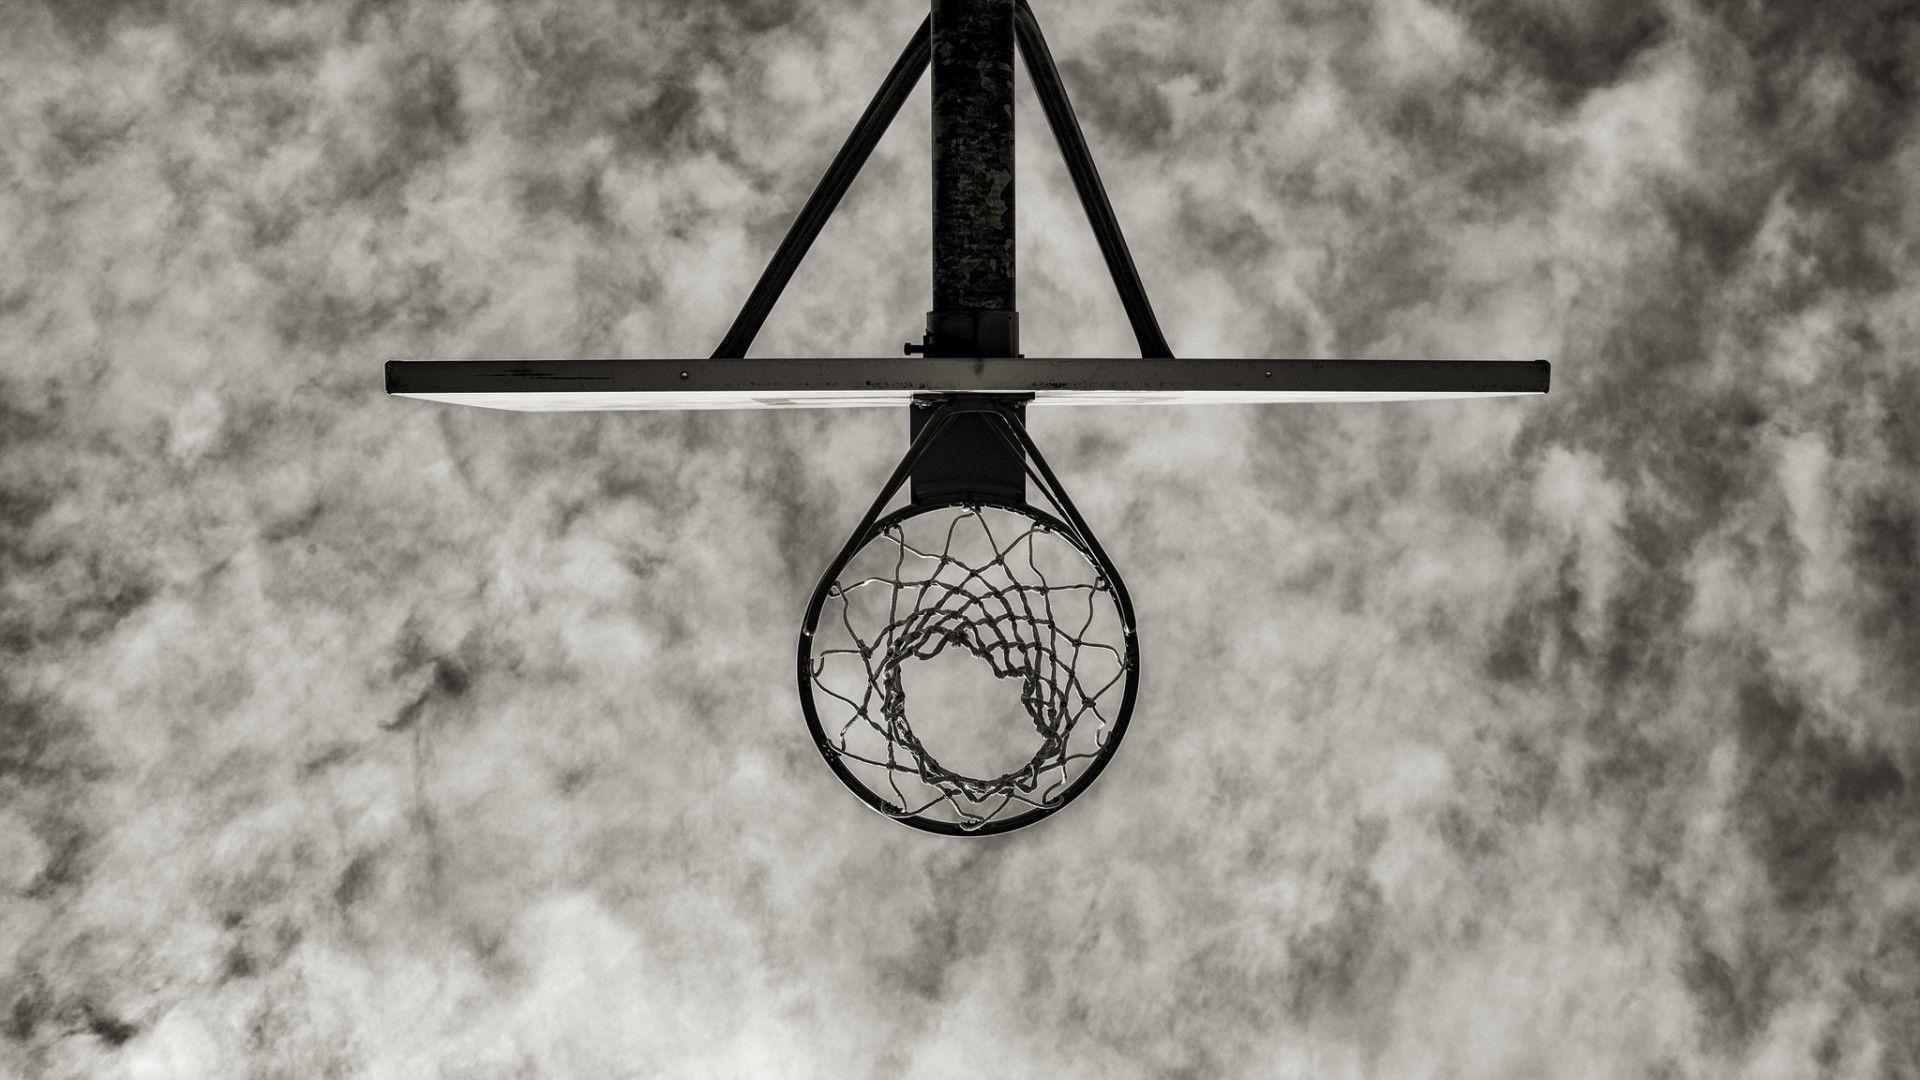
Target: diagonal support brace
1086, 181
866, 134
826, 197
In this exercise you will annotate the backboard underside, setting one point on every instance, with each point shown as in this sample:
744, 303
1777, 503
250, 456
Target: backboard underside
578, 385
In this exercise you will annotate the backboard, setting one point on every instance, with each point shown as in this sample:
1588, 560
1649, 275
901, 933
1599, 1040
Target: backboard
572, 385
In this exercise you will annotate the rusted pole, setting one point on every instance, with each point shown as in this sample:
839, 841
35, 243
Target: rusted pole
973, 301
973, 312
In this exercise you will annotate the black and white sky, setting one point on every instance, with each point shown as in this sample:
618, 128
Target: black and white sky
350, 736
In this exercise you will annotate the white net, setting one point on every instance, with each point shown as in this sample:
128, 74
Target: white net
1006, 591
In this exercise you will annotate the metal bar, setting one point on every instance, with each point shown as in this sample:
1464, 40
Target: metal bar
773, 380
1052, 93
826, 196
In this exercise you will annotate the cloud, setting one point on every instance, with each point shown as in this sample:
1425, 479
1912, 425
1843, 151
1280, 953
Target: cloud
1526, 737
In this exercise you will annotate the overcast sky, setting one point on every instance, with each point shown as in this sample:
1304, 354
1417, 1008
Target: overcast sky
350, 736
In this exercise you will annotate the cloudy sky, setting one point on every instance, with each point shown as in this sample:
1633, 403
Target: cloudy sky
348, 736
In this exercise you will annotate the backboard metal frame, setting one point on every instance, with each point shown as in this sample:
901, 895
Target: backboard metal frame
564, 385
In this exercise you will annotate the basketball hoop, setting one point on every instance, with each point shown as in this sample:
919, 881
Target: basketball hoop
1024, 592
967, 568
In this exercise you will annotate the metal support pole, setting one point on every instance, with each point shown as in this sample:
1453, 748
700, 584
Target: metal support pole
973, 244
973, 306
